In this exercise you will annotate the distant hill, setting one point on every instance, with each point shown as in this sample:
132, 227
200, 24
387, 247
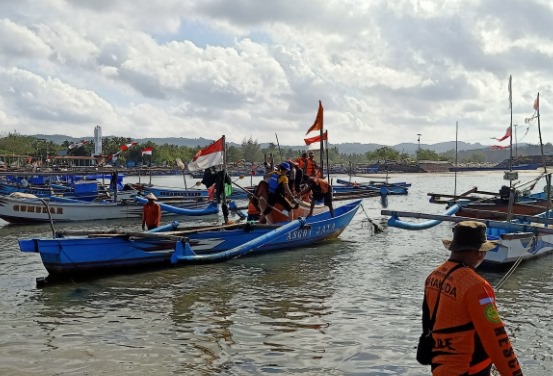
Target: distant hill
345, 148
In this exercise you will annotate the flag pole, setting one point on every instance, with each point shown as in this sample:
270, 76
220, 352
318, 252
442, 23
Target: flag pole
224, 206
321, 142
511, 128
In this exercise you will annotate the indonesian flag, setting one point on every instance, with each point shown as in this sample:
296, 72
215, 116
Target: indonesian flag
536, 103
127, 146
507, 134
311, 140
75, 146
113, 157
498, 147
318, 124
208, 157
147, 151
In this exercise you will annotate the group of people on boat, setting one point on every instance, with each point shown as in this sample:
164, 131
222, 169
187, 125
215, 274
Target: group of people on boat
288, 185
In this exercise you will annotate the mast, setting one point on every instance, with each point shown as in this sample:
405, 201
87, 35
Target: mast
456, 137
544, 162
224, 177
511, 128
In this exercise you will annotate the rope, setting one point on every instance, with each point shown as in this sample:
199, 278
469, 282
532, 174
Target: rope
515, 264
377, 228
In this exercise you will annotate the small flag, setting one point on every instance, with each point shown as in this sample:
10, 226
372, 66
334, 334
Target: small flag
113, 157
507, 134
127, 146
537, 103
309, 141
78, 145
318, 124
208, 157
147, 151
498, 147
485, 299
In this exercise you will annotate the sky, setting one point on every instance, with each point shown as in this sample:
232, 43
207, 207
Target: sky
386, 72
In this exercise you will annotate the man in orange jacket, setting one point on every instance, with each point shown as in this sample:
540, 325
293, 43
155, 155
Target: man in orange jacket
469, 335
151, 213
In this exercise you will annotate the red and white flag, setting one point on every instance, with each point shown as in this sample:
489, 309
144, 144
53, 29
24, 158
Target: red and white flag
311, 140
208, 157
113, 157
147, 151
78, 145
127, 146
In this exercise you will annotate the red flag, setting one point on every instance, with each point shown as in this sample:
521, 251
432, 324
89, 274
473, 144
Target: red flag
208, 157
311, 140
537, 103
507, 134
318, 124
498, 147
127, 146
147, 151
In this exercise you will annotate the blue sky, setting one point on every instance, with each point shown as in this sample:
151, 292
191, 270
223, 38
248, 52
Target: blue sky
384, 71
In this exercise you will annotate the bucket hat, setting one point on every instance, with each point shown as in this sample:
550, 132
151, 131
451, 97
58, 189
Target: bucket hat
469, 236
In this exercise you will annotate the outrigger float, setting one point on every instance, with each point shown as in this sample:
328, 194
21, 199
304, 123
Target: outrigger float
525, 237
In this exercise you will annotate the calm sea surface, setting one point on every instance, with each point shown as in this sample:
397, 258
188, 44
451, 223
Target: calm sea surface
348, 307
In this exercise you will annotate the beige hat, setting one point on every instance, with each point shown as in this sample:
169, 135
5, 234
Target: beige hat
151, 196
469, 236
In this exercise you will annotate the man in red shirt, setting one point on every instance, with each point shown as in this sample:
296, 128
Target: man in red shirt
151, 213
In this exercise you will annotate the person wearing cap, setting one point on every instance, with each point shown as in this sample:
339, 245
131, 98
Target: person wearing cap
321, 190
469, 335
151, 213
278, 190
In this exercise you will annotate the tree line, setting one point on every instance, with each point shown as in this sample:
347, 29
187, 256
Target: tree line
249, 151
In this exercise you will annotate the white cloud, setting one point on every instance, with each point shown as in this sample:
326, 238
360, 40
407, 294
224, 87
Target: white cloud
385, 71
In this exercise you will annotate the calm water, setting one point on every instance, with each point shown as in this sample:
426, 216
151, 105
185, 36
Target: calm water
349, 307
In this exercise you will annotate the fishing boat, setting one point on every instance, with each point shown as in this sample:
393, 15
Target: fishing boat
518, 167
523, 238
20, 208
494, 205
76, 253
400, 188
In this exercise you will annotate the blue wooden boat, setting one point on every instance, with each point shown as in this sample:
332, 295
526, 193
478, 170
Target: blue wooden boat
76, 253
401, 188
524, 237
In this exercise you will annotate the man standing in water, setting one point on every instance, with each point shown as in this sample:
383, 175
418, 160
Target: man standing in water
468, 333
151, 213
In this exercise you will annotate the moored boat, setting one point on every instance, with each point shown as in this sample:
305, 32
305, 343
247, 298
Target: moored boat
523, 238
75, 253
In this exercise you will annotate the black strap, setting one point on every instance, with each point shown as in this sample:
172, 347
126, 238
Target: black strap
433, 317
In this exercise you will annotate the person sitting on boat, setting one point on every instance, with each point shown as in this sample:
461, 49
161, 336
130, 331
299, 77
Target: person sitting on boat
320, 190
151, 213
467, 331
253, 206
278, 189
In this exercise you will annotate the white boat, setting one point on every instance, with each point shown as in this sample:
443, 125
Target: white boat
516, 245
20, 208
526, 237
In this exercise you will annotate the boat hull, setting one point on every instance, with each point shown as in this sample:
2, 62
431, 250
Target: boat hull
85, 255
513, 246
